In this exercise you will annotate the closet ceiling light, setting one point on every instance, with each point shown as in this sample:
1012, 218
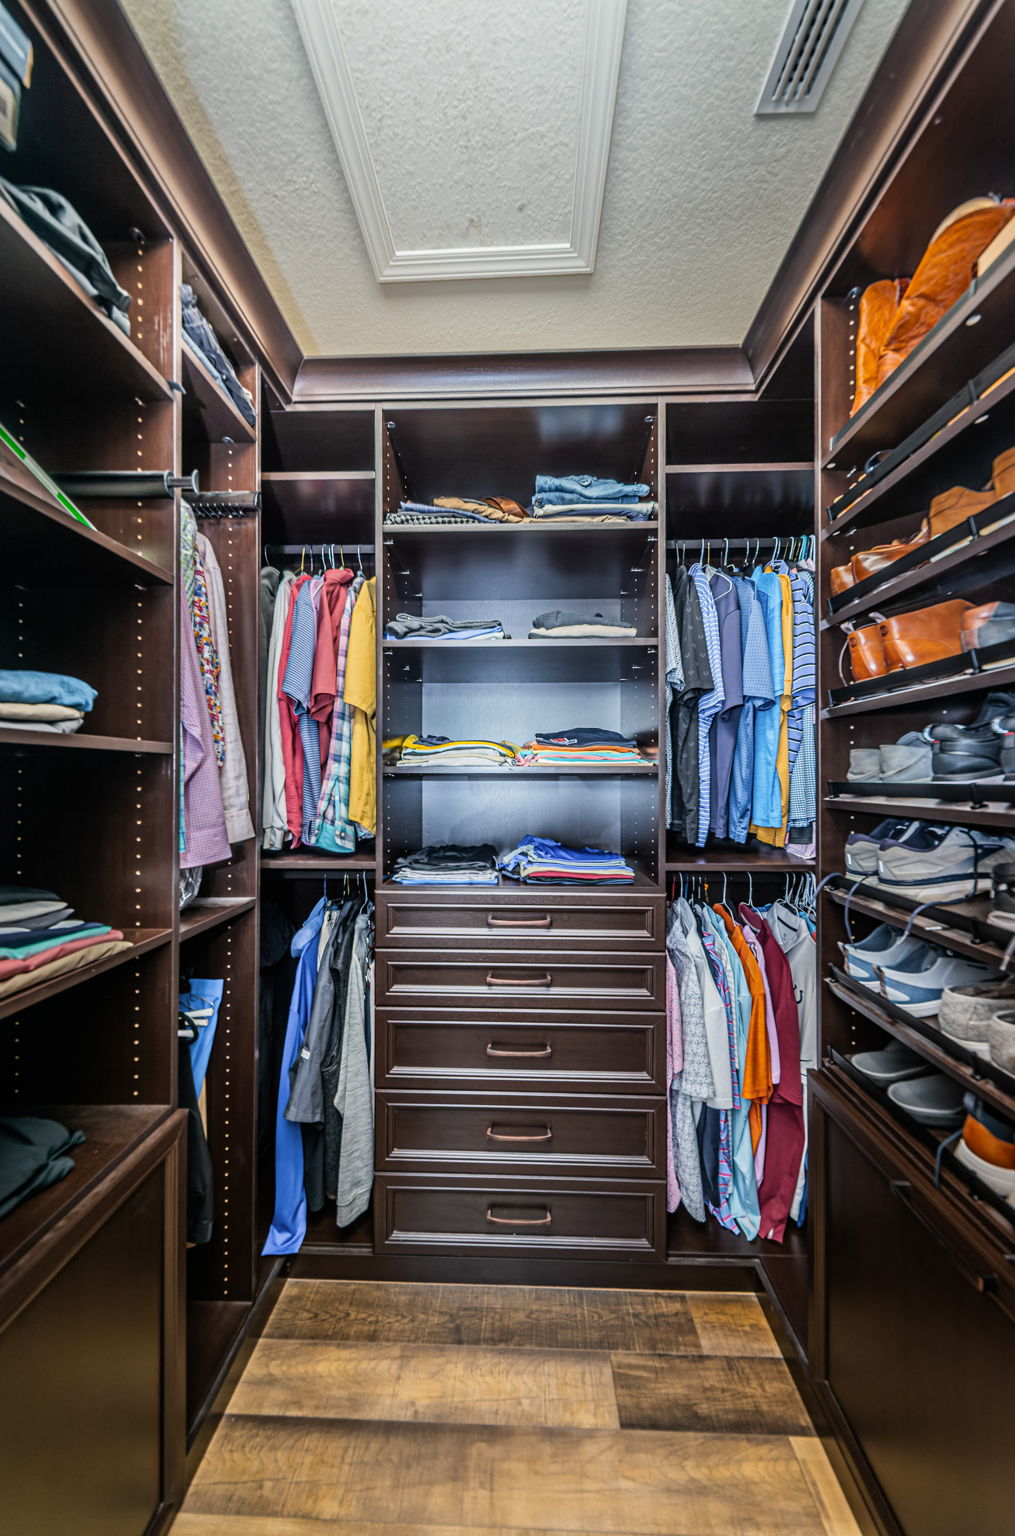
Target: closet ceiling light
473, 143
812, 40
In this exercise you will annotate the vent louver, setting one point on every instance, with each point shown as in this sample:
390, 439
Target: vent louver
812, 39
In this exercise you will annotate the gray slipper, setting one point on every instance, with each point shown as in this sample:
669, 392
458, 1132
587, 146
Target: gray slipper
933, 1100
892, 1064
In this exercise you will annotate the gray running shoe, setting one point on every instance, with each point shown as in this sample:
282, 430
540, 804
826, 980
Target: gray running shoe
966, 1011
930, 866
908, 761
864, 765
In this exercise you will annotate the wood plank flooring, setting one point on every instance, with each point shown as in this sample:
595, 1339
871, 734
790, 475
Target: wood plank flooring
441, 1410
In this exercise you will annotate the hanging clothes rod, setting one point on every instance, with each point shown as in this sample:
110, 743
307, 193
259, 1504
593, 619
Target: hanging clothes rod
125, 484
223, 504
321, 549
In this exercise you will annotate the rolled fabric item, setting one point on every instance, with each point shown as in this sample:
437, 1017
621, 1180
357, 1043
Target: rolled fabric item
11, 709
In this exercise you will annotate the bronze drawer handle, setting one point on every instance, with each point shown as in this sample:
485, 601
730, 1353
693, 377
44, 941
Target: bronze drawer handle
493, 921
537, 1050
519, 1221
546, 980
545, 1135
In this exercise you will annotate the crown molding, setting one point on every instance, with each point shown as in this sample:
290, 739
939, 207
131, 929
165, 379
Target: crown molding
336, 86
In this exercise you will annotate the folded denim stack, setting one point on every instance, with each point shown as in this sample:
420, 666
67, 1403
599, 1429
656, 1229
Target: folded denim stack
441, 752
438, 626
578, 624
44, 701
541, 861
587, 500
450, 510
448, 864
584, 745
40, 938
33, 1156
200, 336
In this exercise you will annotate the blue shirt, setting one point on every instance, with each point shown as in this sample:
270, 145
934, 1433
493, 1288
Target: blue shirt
766, 808
710, 703
289, 1221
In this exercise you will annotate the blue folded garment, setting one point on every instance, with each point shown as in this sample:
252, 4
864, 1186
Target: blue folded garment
588, 488
584, 736
23, 687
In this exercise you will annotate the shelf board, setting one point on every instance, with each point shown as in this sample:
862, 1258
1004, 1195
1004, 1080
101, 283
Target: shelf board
142, 940
933, 575
207, 399
59, 338
201, 916
964, 682
112, 1131
797, 466
12, 736
39, 533
958, 347
923, 1036
641, 882
910, 486
579, 770
523, 644
753, 860
923, 810
319, 863
535, 528
932, 923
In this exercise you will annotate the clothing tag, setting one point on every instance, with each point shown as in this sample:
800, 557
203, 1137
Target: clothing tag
305, 1054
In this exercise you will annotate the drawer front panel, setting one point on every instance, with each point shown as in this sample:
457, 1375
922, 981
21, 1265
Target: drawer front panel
454, 921
613, 1140
513, 1217
622, 1054
417, 978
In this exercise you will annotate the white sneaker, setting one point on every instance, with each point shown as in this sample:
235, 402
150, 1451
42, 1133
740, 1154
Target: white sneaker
931, 867
917, 984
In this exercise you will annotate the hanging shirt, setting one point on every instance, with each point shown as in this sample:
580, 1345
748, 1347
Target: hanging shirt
332, 828
794, 937
292, 753
204, 821
235, 791
744, 1193
766, 805
361, 697
289, 1221
297, 685
334, 594
273, 796
803, 768
674, 1065
785, 1120
710, 703
758, 694
696, 675
693, 1085
725, 725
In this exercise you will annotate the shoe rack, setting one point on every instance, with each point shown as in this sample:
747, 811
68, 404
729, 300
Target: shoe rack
904, 1236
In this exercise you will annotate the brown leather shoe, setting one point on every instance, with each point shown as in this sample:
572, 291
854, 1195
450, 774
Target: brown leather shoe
866, 653
841, 578
924, 635
879, 305
954, 506
945, 271
1004, 473
870, 561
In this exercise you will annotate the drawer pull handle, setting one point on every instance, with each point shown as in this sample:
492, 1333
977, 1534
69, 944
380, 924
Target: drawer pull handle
903, 1192
546, 980
519, 1221
544, 1135
493, 921
536, 1050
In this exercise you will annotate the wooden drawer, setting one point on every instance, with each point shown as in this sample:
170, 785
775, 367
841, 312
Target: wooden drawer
457, 919
504, 1215
419, 978
597, 1053
608, 1138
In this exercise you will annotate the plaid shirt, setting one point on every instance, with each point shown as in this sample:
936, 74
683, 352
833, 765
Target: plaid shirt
331, 827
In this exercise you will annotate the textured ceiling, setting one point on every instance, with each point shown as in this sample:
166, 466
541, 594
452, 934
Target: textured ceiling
702, 198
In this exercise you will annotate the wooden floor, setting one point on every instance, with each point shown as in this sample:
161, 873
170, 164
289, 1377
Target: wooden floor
435, 1410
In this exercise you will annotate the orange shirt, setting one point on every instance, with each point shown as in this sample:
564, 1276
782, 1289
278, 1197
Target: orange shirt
756, 1083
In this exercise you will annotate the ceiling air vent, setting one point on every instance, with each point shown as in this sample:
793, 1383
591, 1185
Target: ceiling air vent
812, 39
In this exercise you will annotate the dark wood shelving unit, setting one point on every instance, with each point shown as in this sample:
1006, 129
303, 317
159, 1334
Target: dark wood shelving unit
755, 860
220, 417
311, 863
42, 298
202, 916
36, 528
142, 939
997, 814
919, 693
563, 771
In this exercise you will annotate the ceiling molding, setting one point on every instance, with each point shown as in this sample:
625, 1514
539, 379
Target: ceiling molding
652, 371
336, 85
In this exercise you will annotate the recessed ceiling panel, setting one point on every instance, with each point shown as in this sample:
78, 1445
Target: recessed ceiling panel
474, 135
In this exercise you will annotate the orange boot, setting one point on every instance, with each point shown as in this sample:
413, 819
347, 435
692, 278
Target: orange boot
879, 304
946, 269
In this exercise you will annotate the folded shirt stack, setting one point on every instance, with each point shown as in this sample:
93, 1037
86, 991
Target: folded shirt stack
587, 500
440, 751
40, 938
572, 623
33, 1156
582, 745
446, 510
541, 861
438, 626
448, 864
43, 701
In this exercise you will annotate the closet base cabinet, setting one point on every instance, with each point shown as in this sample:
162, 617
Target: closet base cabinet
521, 1074
92, 1382
921, 1392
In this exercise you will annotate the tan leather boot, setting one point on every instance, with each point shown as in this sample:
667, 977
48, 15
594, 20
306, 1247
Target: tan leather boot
879, 304
954, 506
